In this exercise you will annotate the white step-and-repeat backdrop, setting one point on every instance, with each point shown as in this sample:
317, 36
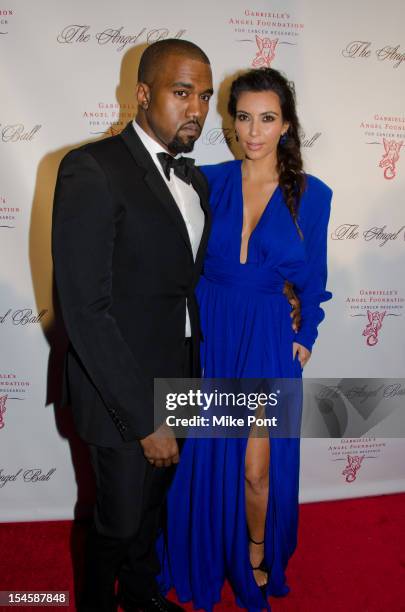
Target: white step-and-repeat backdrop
68, 74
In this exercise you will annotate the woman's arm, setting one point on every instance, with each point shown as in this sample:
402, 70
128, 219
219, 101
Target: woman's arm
314, 225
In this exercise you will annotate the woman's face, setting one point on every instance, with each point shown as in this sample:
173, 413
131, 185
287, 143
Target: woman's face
259, 123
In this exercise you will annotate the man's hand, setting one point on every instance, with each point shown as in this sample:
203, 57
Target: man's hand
295, 303
160, 448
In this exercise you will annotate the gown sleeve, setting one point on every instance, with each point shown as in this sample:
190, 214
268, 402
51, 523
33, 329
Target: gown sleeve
313, 220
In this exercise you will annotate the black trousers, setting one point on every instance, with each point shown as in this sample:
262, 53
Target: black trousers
128, 515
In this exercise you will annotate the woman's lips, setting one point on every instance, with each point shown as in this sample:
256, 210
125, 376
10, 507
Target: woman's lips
254, 146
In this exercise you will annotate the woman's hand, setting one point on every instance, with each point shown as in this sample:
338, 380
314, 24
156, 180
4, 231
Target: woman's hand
303, 353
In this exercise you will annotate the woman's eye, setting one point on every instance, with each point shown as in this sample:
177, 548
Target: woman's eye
242, 117
268, 118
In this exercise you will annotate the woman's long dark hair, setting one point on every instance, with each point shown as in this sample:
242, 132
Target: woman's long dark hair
289, 159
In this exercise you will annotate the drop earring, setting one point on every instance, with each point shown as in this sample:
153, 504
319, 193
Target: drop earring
236, 136
283, 138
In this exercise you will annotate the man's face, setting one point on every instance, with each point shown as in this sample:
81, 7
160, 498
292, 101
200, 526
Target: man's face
176, 102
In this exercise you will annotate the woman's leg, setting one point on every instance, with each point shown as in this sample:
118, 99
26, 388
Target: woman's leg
257, 464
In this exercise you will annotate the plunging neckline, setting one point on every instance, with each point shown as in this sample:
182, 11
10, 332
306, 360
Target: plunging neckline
241, 215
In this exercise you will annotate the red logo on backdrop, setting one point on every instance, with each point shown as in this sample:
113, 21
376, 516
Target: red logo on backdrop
390, 157
374, 325
3, 400
109, 118
12, 388
353, 451
353, 465
8, 214
269, 30
388, 130
4, 14
266, 52
378, 305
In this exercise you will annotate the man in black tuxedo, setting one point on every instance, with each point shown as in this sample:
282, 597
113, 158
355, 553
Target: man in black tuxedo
130, 228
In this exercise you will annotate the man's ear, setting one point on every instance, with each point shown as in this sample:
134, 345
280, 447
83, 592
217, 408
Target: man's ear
143, 95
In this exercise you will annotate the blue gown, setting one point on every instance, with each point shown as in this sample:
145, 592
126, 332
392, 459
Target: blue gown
246, 325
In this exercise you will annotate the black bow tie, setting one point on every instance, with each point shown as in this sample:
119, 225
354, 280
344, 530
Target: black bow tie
182, 166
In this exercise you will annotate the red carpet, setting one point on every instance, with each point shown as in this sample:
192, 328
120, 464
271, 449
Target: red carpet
350, 558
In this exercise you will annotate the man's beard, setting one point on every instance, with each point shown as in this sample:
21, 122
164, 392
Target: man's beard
177, 145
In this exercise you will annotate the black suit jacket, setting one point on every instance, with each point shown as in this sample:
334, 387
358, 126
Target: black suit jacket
124, 269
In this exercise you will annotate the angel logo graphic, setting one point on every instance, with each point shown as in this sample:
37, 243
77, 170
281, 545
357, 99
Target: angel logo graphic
390, 157
3, 400
352, 467
266, 52
373, 327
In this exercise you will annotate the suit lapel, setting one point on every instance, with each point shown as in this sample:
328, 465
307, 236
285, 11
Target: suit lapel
154, 181
159, 188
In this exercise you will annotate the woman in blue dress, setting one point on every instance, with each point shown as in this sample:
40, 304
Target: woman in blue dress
233, 505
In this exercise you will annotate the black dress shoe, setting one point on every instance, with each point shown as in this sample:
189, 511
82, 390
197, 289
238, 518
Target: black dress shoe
157, 603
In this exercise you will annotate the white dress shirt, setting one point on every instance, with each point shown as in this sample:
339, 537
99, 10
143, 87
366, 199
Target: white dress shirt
185, 196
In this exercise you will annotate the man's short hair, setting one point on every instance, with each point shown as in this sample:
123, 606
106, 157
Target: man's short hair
153, 57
